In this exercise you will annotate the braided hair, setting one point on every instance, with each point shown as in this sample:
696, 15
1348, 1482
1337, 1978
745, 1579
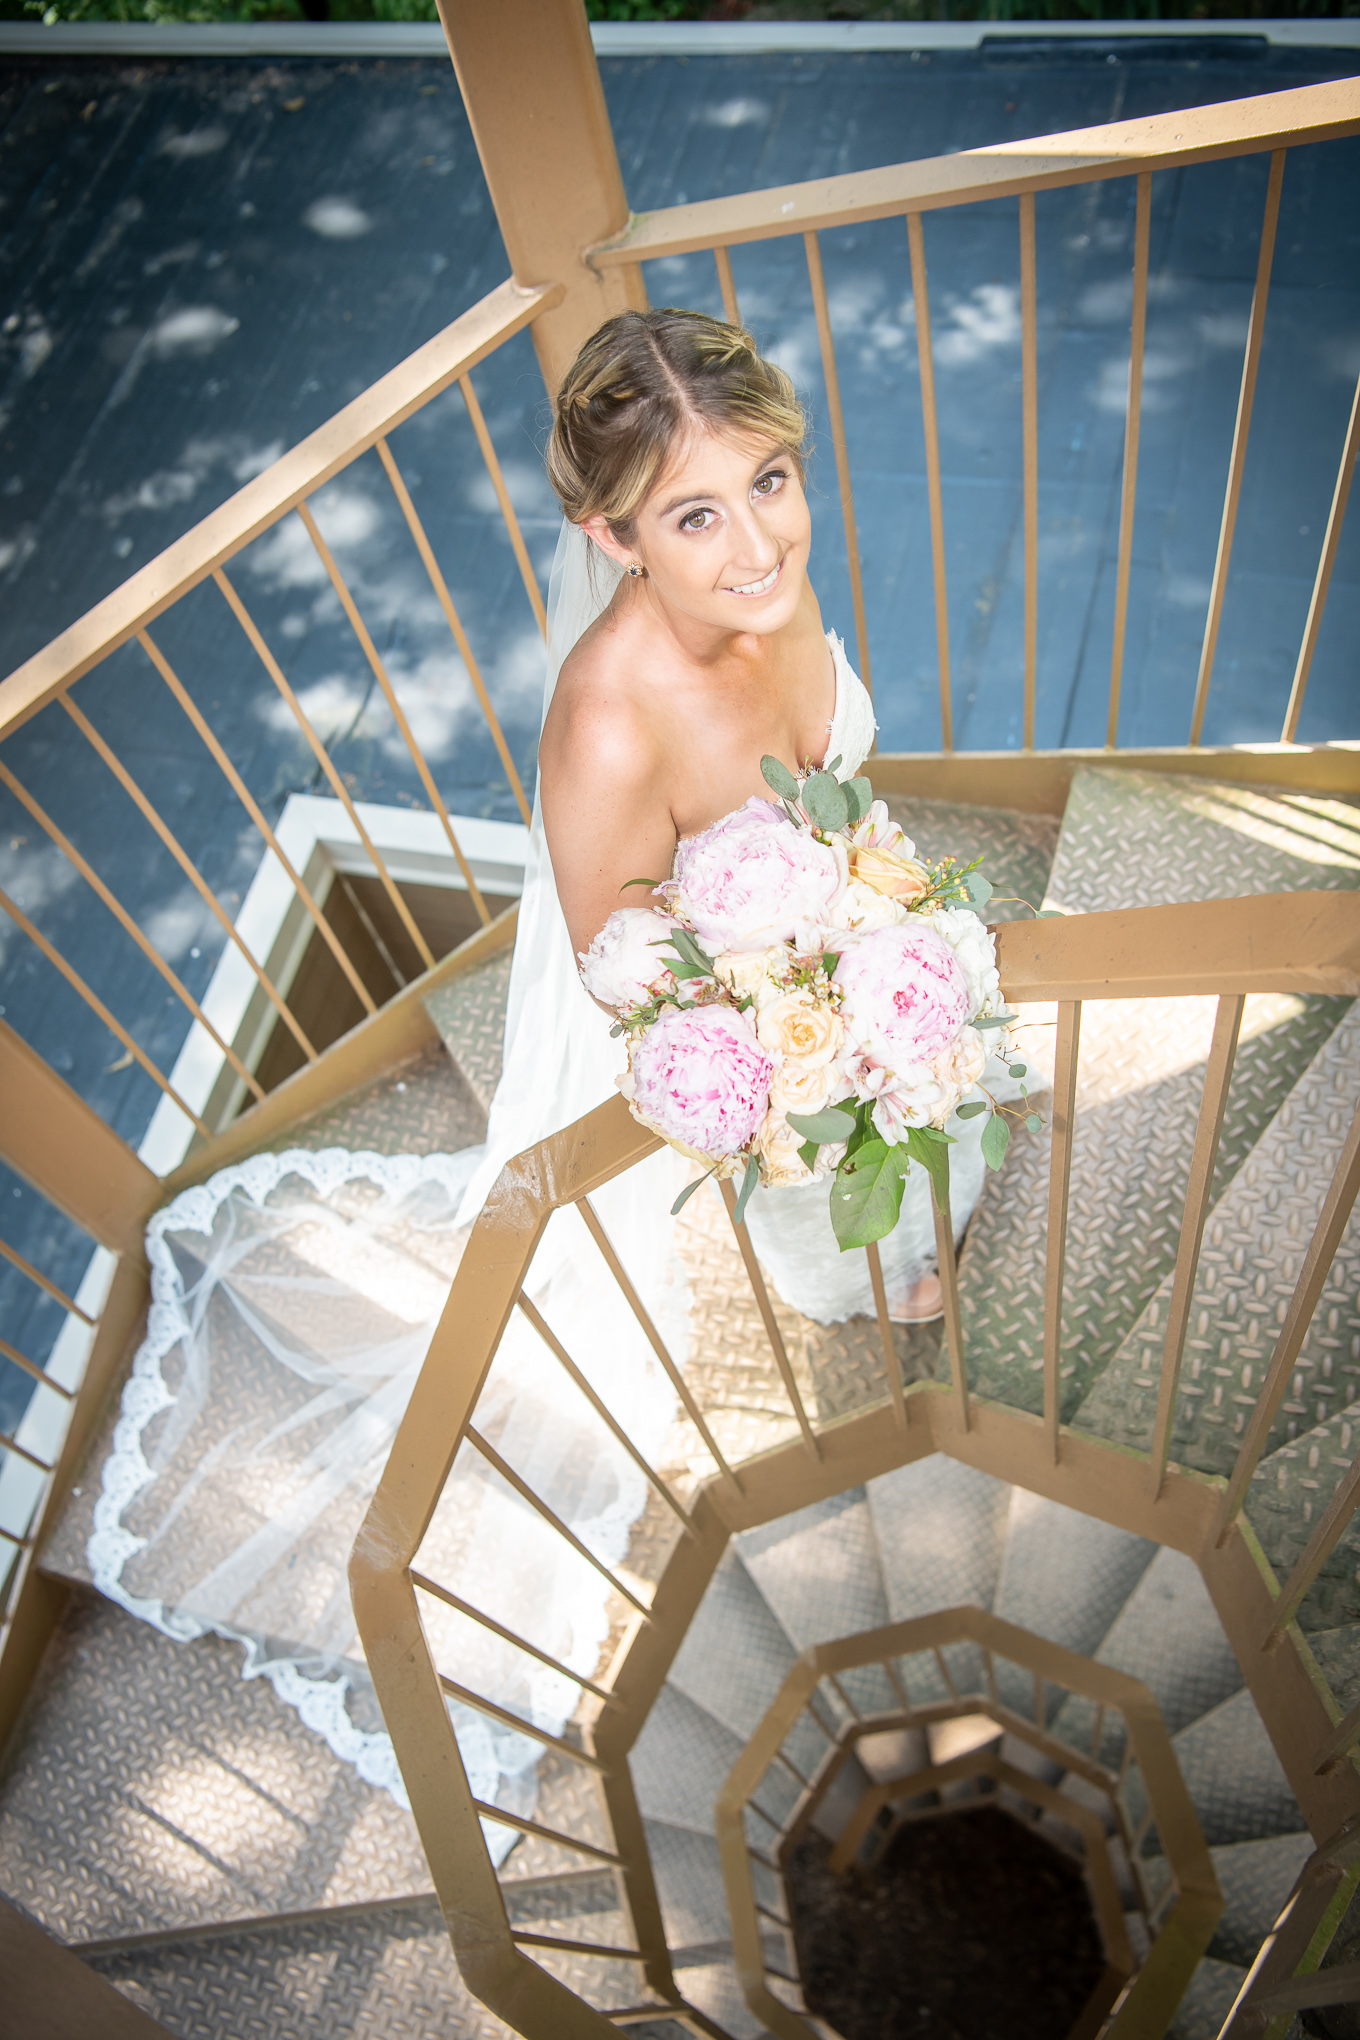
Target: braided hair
636, 386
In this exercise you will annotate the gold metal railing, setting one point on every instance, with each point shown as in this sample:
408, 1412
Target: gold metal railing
1287, 1976
709, 1488
1273, 123
1116, 1816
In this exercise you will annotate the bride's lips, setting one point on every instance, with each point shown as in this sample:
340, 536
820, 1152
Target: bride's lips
750, 589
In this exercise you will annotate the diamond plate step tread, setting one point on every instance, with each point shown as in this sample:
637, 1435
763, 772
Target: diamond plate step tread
941, 1530
1254, 1244
152, 1788
1168, 1635
1234, 1777
1207, 2001
680, 1762
1017, 849
1064, 1575
1132, 839
1337, 1652
1256, 1878
689, 1883
819, 1570
469, 1012
735, 1655
1289, 1491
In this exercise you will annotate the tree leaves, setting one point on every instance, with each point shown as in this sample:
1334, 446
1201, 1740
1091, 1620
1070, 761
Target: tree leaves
778, 778
821, 1128
996, 1138
866, 1197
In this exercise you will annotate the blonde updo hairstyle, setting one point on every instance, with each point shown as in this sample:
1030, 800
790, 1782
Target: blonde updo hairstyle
637, 386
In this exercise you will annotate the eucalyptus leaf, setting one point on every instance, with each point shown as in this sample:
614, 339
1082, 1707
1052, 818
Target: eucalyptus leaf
978, 888
996, 1138
1018, 1069
688, 950
681, 970
832, 764
748, 1184
821, 1128
616, 1030
824, 799
807, 1154
830, 958
1049, 914
972, 1111
934, 1159
652, 882
1034, 1122
866, 1197
778, 777
689, 1191
859, 797
995, 1020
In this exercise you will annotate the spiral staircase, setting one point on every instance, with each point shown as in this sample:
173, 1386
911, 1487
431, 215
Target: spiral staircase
208, 1858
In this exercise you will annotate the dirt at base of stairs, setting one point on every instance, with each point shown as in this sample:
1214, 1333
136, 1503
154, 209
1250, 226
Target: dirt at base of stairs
972, 1925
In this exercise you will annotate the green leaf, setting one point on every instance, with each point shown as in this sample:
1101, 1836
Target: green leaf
996, 1138
748, 1184
935, 1133
688, 950
689, 1191
1034, 1122
652, 882
934, 1159
616, 1030
778, 778
1018, 1069
972, 1111
859, 795
1049, 914
832, 763
688, 970
807, 1154
821, 1128
866, 1197
824, 799
978, 888
996, 1020
830, 958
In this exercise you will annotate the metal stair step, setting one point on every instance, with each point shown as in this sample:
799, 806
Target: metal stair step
1248, 1266
1133, 839
1207, 2001
1256, 1878
1065, 1575
469, 1012
819, 1570
1234, 1777
736, 1654
941, 1531
1168, 1635
680, 1762
1017, 849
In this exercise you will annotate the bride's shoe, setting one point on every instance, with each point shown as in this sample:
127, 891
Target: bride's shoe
923, 1303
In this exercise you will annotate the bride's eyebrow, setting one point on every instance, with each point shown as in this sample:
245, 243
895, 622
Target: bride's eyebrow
710, 495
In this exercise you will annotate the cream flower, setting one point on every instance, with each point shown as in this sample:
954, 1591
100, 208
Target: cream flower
802, 1087
962, 1063
777, 1145
794, 1026
753, 973
860, 909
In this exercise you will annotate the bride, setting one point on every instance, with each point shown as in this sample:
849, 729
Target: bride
685, 643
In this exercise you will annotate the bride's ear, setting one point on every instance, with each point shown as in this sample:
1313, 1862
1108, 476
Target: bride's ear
597, 529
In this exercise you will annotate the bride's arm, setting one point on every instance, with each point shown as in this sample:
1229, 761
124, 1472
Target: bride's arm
602, 776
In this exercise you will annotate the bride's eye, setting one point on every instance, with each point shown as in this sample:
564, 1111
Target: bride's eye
697, 520
770, 483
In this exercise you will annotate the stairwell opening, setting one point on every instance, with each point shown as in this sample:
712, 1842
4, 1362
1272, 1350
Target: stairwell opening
969, 1924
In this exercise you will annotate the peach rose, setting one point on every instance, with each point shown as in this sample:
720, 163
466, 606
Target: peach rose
901, 878
794, 1025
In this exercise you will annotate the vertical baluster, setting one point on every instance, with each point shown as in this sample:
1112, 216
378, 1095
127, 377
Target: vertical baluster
1327, 560
766, 1309
513, 532
1059, 1178
931, 430
1029, 388
723, 258
837, 420
946, 1260
1213, 1105
1142, 235
891, 1366
1241, 430
1332, 1220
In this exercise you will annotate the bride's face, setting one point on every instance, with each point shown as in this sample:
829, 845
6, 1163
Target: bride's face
725, 533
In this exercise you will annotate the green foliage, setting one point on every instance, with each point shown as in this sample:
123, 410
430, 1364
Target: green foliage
824, 799
996, 1138
866, 1197
778, 778
748, 1184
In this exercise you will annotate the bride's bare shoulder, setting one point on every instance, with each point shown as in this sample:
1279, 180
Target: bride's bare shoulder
600, 721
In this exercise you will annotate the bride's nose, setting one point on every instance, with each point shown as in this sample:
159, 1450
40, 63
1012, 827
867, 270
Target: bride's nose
754, 545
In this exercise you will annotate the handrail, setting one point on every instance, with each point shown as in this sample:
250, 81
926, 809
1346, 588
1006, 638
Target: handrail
1286, 1966
1163, 141
297, 474
1183, 1934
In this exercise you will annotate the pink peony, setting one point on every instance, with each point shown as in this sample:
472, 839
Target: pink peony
753, 879
621, 967
906, 996
702, 1079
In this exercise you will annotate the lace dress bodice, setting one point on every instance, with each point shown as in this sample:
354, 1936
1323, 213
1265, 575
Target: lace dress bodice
851, 730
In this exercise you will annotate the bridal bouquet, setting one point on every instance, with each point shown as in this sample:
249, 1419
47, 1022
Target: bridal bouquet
809, 1000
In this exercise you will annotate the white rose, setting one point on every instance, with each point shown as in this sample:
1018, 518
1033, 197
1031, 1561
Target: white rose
962, 1064
975, 947
621, 966
795, 1027
777, 1145
803, 1087
860, 908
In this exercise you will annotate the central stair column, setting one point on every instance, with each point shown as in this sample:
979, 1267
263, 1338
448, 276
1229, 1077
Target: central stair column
533, 95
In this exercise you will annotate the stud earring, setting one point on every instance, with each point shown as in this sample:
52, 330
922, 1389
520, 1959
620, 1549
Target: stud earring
635, 571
